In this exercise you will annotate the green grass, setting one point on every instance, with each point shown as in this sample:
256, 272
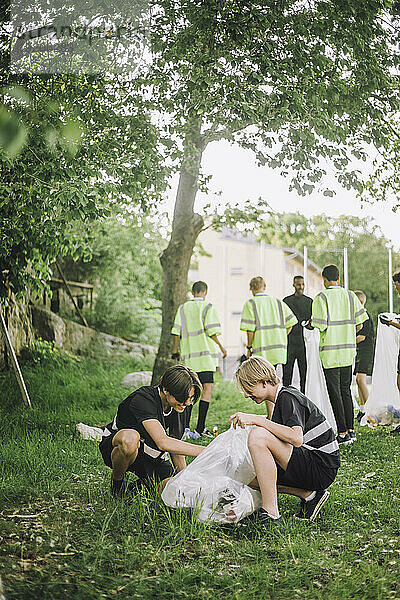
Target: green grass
61, 535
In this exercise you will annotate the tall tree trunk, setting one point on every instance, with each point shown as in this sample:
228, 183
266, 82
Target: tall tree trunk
175, 260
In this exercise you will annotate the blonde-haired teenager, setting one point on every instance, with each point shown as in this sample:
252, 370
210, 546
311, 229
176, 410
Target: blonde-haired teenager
294, 449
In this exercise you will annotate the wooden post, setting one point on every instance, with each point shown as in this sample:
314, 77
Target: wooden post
78, 312
14, 361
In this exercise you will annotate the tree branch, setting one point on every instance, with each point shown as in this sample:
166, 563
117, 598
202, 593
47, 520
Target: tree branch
214, 135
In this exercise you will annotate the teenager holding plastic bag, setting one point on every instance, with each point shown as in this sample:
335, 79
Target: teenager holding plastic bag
294, 451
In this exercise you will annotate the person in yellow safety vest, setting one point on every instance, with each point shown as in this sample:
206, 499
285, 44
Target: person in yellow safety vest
338, 314
267, 322
196, 330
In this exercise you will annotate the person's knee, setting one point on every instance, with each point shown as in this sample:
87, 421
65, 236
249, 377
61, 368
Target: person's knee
259, 438
127, 442
207, 391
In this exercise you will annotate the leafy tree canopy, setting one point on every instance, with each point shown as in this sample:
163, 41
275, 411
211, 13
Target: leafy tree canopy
316, 80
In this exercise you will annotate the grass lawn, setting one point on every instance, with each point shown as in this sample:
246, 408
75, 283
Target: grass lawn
63, 537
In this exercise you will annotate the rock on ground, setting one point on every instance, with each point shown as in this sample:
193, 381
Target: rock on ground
137, 379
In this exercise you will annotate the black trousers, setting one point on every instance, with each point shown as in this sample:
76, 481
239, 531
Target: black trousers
295, 352
338, 381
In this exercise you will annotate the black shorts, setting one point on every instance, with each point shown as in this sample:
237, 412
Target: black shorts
364, 363
206, 377
145, 467
306, 471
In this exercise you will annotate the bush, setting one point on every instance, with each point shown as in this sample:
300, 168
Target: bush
42, 351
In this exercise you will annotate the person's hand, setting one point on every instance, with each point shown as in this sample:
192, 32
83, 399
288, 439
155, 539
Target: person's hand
241, 419
384, 320
224, 352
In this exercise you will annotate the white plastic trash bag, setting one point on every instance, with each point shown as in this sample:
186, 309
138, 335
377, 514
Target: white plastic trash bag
89, 433
383, 404
215, 483
316, 389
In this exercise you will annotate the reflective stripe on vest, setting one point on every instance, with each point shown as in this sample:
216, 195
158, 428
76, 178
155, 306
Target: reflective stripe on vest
183, 321
264, 348
260, 327
330, 321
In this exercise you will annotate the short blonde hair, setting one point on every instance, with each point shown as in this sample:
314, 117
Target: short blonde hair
255, 370
257, 283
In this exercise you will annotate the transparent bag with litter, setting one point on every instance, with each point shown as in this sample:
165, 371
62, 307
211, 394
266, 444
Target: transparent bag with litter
216, 483
383, 404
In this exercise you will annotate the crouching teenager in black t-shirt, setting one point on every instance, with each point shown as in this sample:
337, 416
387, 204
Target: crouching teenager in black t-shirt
294, 449
137, 440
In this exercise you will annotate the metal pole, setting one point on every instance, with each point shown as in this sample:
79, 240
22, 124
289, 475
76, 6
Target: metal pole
346, 269
390, 282
305, 267
17, 370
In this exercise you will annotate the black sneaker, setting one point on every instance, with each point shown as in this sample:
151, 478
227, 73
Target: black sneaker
118, 488
309, 510
128, 490
352, 435
360, 415
396, 429
260, 517
343, 439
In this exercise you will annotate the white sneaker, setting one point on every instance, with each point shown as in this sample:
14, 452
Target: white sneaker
187, 434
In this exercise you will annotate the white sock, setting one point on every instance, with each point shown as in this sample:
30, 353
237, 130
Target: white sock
310, 497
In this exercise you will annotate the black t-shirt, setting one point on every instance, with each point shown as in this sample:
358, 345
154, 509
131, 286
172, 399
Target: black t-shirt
292, 408
367, 329
301, 308
141, 405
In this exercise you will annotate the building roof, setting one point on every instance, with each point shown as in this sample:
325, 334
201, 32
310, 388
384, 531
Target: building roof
248, 238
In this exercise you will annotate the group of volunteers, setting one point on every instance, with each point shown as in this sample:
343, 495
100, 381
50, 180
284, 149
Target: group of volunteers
294, 449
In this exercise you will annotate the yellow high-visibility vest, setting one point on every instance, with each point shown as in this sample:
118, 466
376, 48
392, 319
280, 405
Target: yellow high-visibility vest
269, 318
336, 312
195, 322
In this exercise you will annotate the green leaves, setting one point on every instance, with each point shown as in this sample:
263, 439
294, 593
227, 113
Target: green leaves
13, 133
72, 136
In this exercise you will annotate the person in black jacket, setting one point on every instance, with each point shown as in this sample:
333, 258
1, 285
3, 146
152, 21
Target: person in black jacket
300, 306
137, 439
365, 356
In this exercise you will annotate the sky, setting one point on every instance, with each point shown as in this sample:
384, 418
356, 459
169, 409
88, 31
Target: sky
238, 178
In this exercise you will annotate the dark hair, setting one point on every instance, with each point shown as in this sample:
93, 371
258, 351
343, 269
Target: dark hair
199, 287
178, 381
330, 272
297, 277
396, 276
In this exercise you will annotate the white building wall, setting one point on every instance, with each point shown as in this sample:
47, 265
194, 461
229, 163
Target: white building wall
230, 267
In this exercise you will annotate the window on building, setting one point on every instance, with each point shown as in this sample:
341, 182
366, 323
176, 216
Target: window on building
237, 271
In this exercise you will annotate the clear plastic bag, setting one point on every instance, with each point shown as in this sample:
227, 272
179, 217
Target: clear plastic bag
216, 482
316, 389
383, 404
